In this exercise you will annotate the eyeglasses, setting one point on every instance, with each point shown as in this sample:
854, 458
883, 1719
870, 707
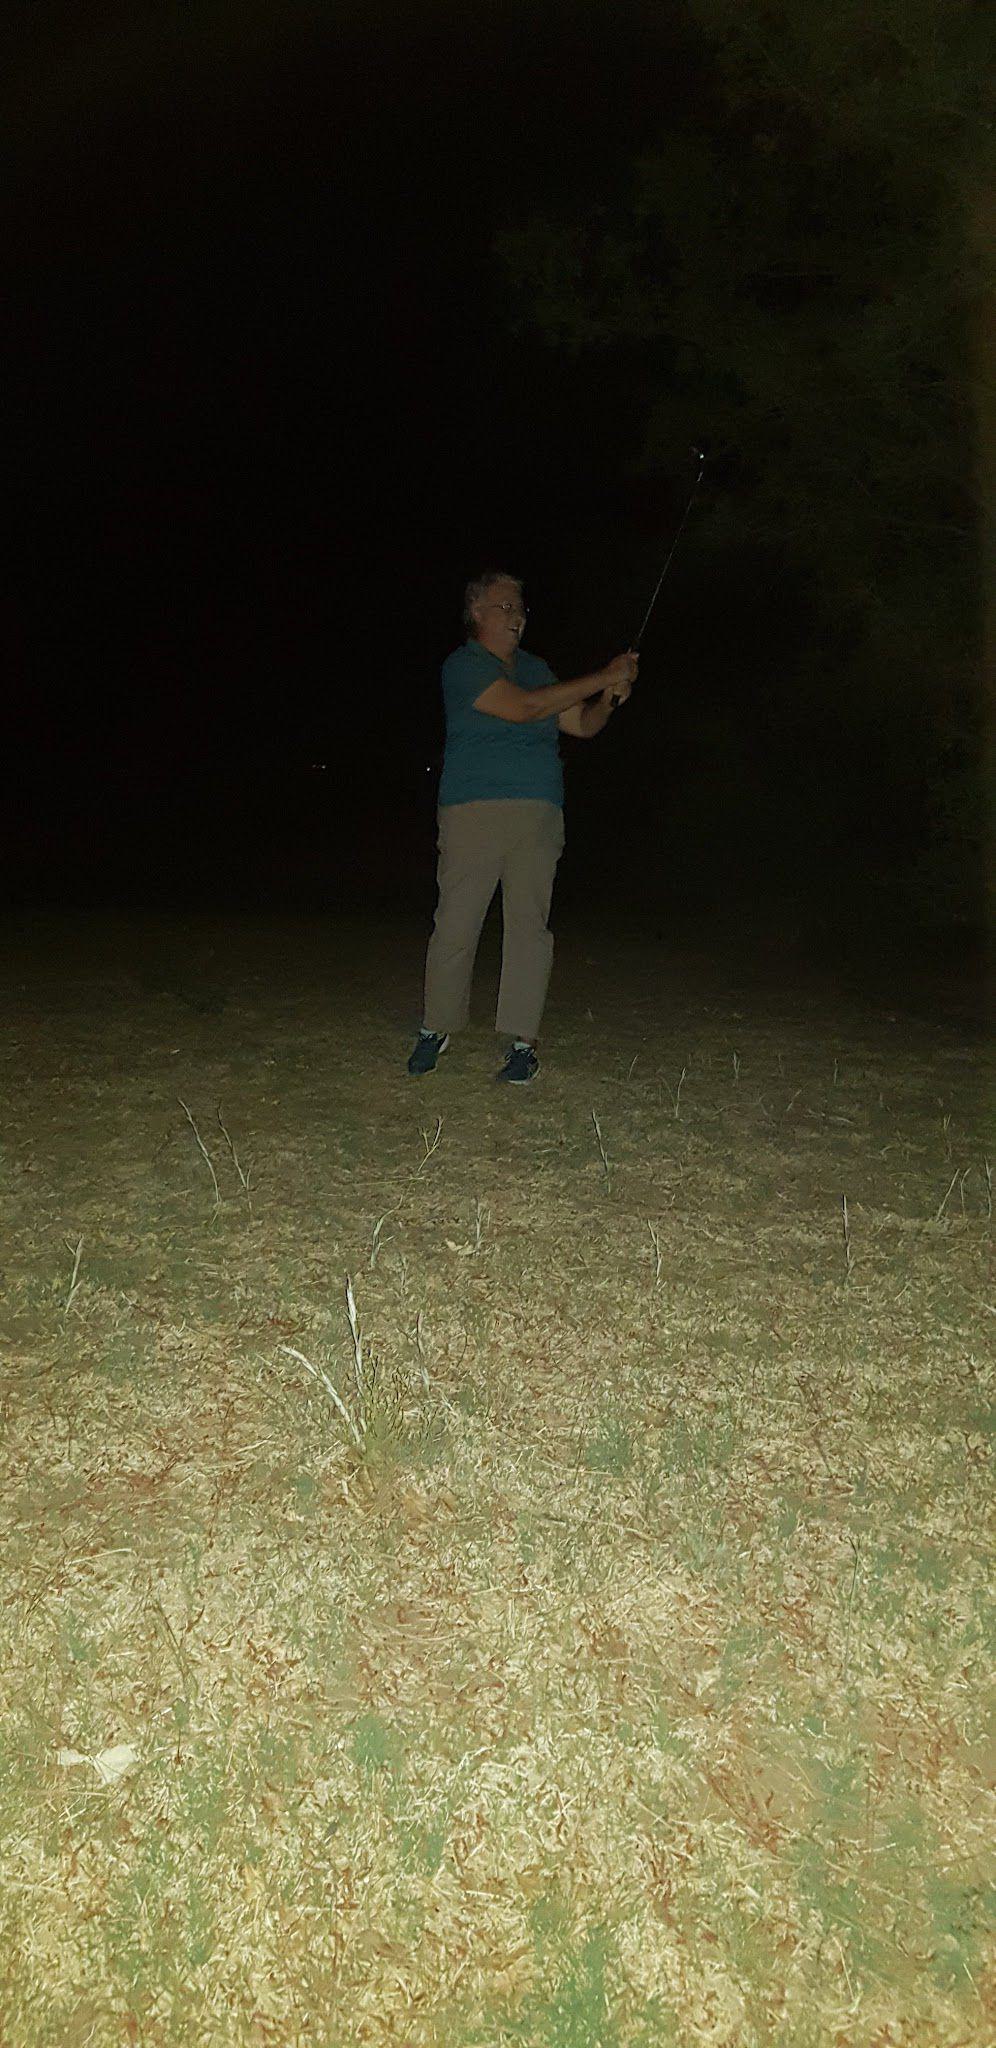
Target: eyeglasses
504, 606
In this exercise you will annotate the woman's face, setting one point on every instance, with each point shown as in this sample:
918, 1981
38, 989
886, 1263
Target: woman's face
500, 617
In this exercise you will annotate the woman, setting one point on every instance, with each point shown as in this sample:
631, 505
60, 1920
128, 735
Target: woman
501, 799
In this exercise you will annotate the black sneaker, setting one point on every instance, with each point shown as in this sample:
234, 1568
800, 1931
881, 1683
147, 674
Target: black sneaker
427, 1048
521, 1064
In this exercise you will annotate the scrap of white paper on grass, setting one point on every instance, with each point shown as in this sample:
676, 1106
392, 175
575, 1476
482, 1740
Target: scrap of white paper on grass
110, 1764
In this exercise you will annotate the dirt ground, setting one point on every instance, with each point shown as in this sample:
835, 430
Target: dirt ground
491, 1565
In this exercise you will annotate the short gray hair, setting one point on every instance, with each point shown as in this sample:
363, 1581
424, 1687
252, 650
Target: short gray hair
480, 585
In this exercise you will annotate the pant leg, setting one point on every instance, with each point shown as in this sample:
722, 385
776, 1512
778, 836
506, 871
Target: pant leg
532, 851
468, 873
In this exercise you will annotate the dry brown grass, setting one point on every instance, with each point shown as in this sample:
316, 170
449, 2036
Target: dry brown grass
623, 1674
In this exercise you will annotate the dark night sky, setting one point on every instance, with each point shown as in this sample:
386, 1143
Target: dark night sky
268, 415
267, 412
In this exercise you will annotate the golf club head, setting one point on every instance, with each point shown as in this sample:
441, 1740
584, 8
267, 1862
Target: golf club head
699, 452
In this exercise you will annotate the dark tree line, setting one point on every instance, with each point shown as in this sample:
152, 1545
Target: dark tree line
805, 265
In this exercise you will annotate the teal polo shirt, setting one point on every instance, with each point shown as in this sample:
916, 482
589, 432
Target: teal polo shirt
489, 758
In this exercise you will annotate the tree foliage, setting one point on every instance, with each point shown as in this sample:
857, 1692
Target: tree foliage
795, 273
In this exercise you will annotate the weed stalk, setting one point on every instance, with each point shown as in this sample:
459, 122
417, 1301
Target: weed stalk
205, 1152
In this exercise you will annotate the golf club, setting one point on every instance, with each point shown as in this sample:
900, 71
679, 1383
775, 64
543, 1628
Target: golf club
700, 457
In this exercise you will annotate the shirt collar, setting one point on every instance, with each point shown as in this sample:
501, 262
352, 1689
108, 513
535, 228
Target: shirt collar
478, 648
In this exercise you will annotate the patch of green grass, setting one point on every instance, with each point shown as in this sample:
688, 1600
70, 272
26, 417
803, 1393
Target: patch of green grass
611, 1451
576, 2010
962, 1918
206, 1794
421, 1846
934, 1570
376, 1746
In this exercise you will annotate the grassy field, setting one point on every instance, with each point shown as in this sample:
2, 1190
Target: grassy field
490, 1566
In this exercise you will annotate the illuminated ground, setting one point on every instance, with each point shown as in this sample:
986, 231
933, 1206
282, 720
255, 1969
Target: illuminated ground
616, 1670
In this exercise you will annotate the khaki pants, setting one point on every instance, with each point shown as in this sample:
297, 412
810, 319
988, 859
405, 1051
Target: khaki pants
517, 843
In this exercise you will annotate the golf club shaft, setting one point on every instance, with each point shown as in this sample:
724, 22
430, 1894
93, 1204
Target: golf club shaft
635, 644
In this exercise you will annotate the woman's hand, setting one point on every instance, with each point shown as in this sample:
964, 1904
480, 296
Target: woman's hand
617, 693
620, 675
